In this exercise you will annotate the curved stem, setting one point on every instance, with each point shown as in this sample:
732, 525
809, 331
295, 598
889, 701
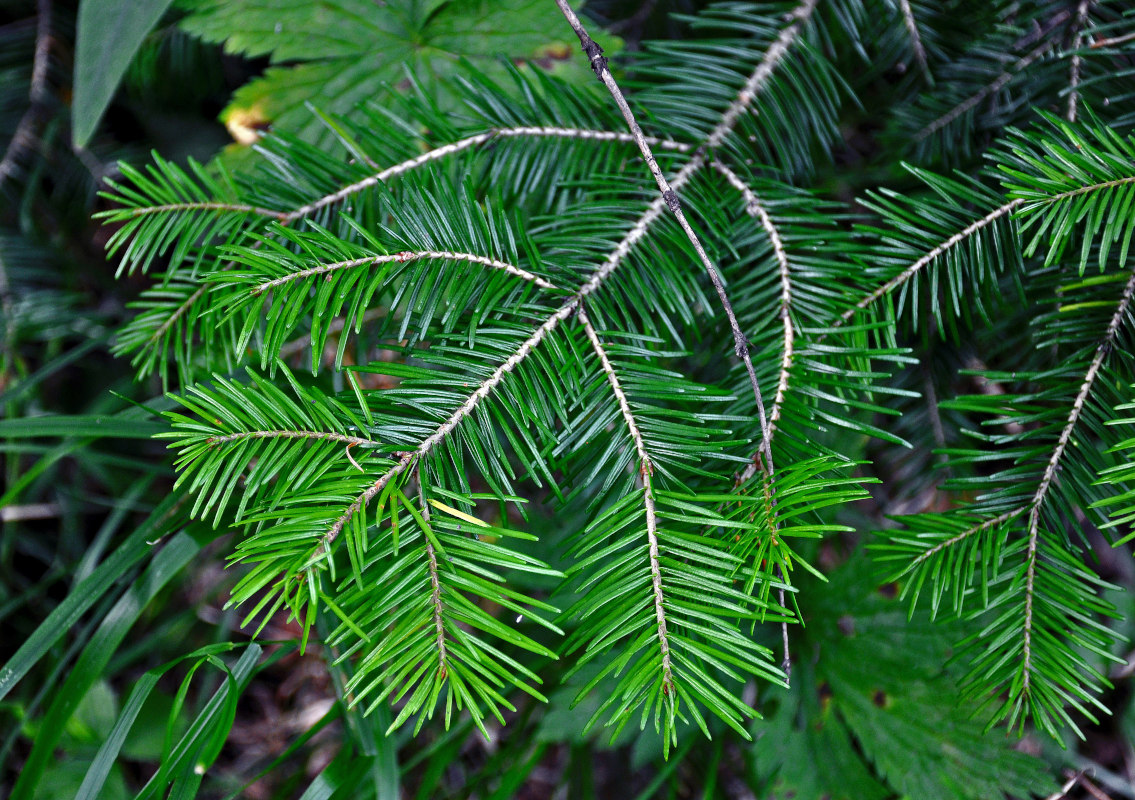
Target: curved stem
1102, 351
646, 475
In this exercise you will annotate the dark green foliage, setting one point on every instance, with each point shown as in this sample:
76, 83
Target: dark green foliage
458, 384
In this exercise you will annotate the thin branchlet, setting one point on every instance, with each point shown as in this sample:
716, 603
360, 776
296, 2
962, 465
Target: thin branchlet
974, 227
646, 476
468, 142
990, 89
1102, 350
756, 209
435, 583
438, 255
968, 532
669, 192
1074, 69
915, 40
917, 266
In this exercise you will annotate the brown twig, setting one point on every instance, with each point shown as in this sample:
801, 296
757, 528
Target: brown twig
25, 136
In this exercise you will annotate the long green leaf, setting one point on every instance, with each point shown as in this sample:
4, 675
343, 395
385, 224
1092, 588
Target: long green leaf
109, 34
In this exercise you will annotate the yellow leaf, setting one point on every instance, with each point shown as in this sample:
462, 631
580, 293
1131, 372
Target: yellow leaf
459, 514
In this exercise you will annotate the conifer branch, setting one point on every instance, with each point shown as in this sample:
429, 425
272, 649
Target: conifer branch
915, 39
435, 154
989, 89
1102, 351
401, 258
464, 144
24, 136
755, 208
435, 584
749, 92
646, 475
756, 82
909, 272
669, 193
1074, 72
968, 532
1112, 41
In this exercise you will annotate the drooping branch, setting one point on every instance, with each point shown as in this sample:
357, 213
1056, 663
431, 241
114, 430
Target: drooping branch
445, 255
989, 89
916, 267
435, 584
1102, 350
646, 475
915, 39
25, 135
670, 195
1074, 71
756, 209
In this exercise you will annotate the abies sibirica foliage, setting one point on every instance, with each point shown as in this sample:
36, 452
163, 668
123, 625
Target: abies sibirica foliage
598, 375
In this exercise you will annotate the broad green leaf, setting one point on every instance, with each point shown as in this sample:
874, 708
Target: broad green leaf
340, 53
879, 704
109, 34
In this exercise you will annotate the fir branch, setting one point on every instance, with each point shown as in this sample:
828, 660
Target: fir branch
748, 93
435, 584
989, 89
383, 175
1074, 71
465, 144
756, 82
646, 475
909, 272
669, 193
24, 137
915, 39
968, 532
402, 258
1102, 351
756, 209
